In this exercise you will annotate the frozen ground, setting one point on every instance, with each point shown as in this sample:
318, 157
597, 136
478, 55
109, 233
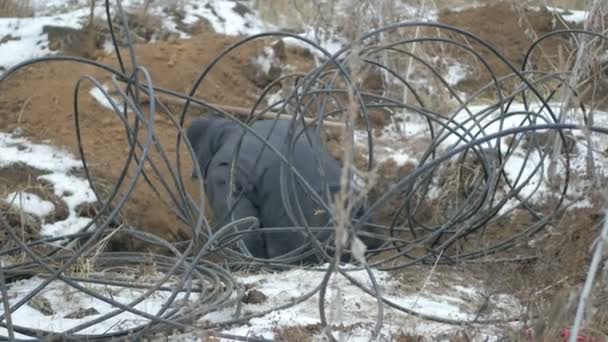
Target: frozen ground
57, 166
25, 39
59, 307
357, 309
398, 142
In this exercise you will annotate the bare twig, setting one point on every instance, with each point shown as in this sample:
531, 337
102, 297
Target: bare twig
22, 110
6, 303
600, 243
241, 111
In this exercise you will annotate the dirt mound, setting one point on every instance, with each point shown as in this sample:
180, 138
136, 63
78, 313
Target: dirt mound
40, 100
509, 31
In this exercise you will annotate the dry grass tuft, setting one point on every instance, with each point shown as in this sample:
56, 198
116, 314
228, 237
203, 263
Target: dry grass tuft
16, 9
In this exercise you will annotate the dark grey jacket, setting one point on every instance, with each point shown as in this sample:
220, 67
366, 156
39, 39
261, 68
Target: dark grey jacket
263, 185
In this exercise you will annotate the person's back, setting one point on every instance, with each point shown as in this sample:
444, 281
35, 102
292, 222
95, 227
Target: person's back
270, 190
284, 199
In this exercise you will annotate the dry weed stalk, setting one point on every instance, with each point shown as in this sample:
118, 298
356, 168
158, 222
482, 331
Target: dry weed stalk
427, 280
409, 68
594, 20
579, 70
16, 8
347, 198
594, 268
6, 305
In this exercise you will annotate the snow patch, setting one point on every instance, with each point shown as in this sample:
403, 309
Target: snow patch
27, 39
30, 203
456, 73
71, 189
573, 16
99, 96
64, 300
224, 19
357, 308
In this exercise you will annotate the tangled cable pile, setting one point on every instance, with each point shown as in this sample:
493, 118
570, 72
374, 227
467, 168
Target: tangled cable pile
450, 208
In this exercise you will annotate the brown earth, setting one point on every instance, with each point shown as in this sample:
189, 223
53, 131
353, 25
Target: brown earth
504, 29
39, 99
511, 32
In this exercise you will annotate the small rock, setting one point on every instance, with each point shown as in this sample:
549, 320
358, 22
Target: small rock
17, 132
87, 210
379, 118
241, 9
254, 296
172, 38
41, 304
82, 313
8, 38
279, 50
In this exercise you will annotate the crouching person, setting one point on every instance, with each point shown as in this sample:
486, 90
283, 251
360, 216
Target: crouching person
245, 177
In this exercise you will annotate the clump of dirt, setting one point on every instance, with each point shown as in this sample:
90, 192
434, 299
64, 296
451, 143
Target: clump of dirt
18, 174
566, 251
266, 65
408, 338
297, 333
254, 296
241, 9
389, 173
25, 226
304, 333
549, 285
74, 42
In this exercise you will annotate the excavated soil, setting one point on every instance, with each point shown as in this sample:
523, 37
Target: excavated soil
512, 32
40, 100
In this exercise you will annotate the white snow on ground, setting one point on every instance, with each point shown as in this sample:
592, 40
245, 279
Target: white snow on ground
396, 138
456, 73
573, 16
357, 309
356, 312
224, 19
27, 40
98, 95
265, 60
16, 149
58, 300
69, 188
538, 186
30, 203
30, 42
396, 143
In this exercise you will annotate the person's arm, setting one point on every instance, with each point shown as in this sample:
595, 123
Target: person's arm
228, 208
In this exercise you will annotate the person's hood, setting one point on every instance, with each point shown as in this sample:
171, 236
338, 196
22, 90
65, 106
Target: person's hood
206, 137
